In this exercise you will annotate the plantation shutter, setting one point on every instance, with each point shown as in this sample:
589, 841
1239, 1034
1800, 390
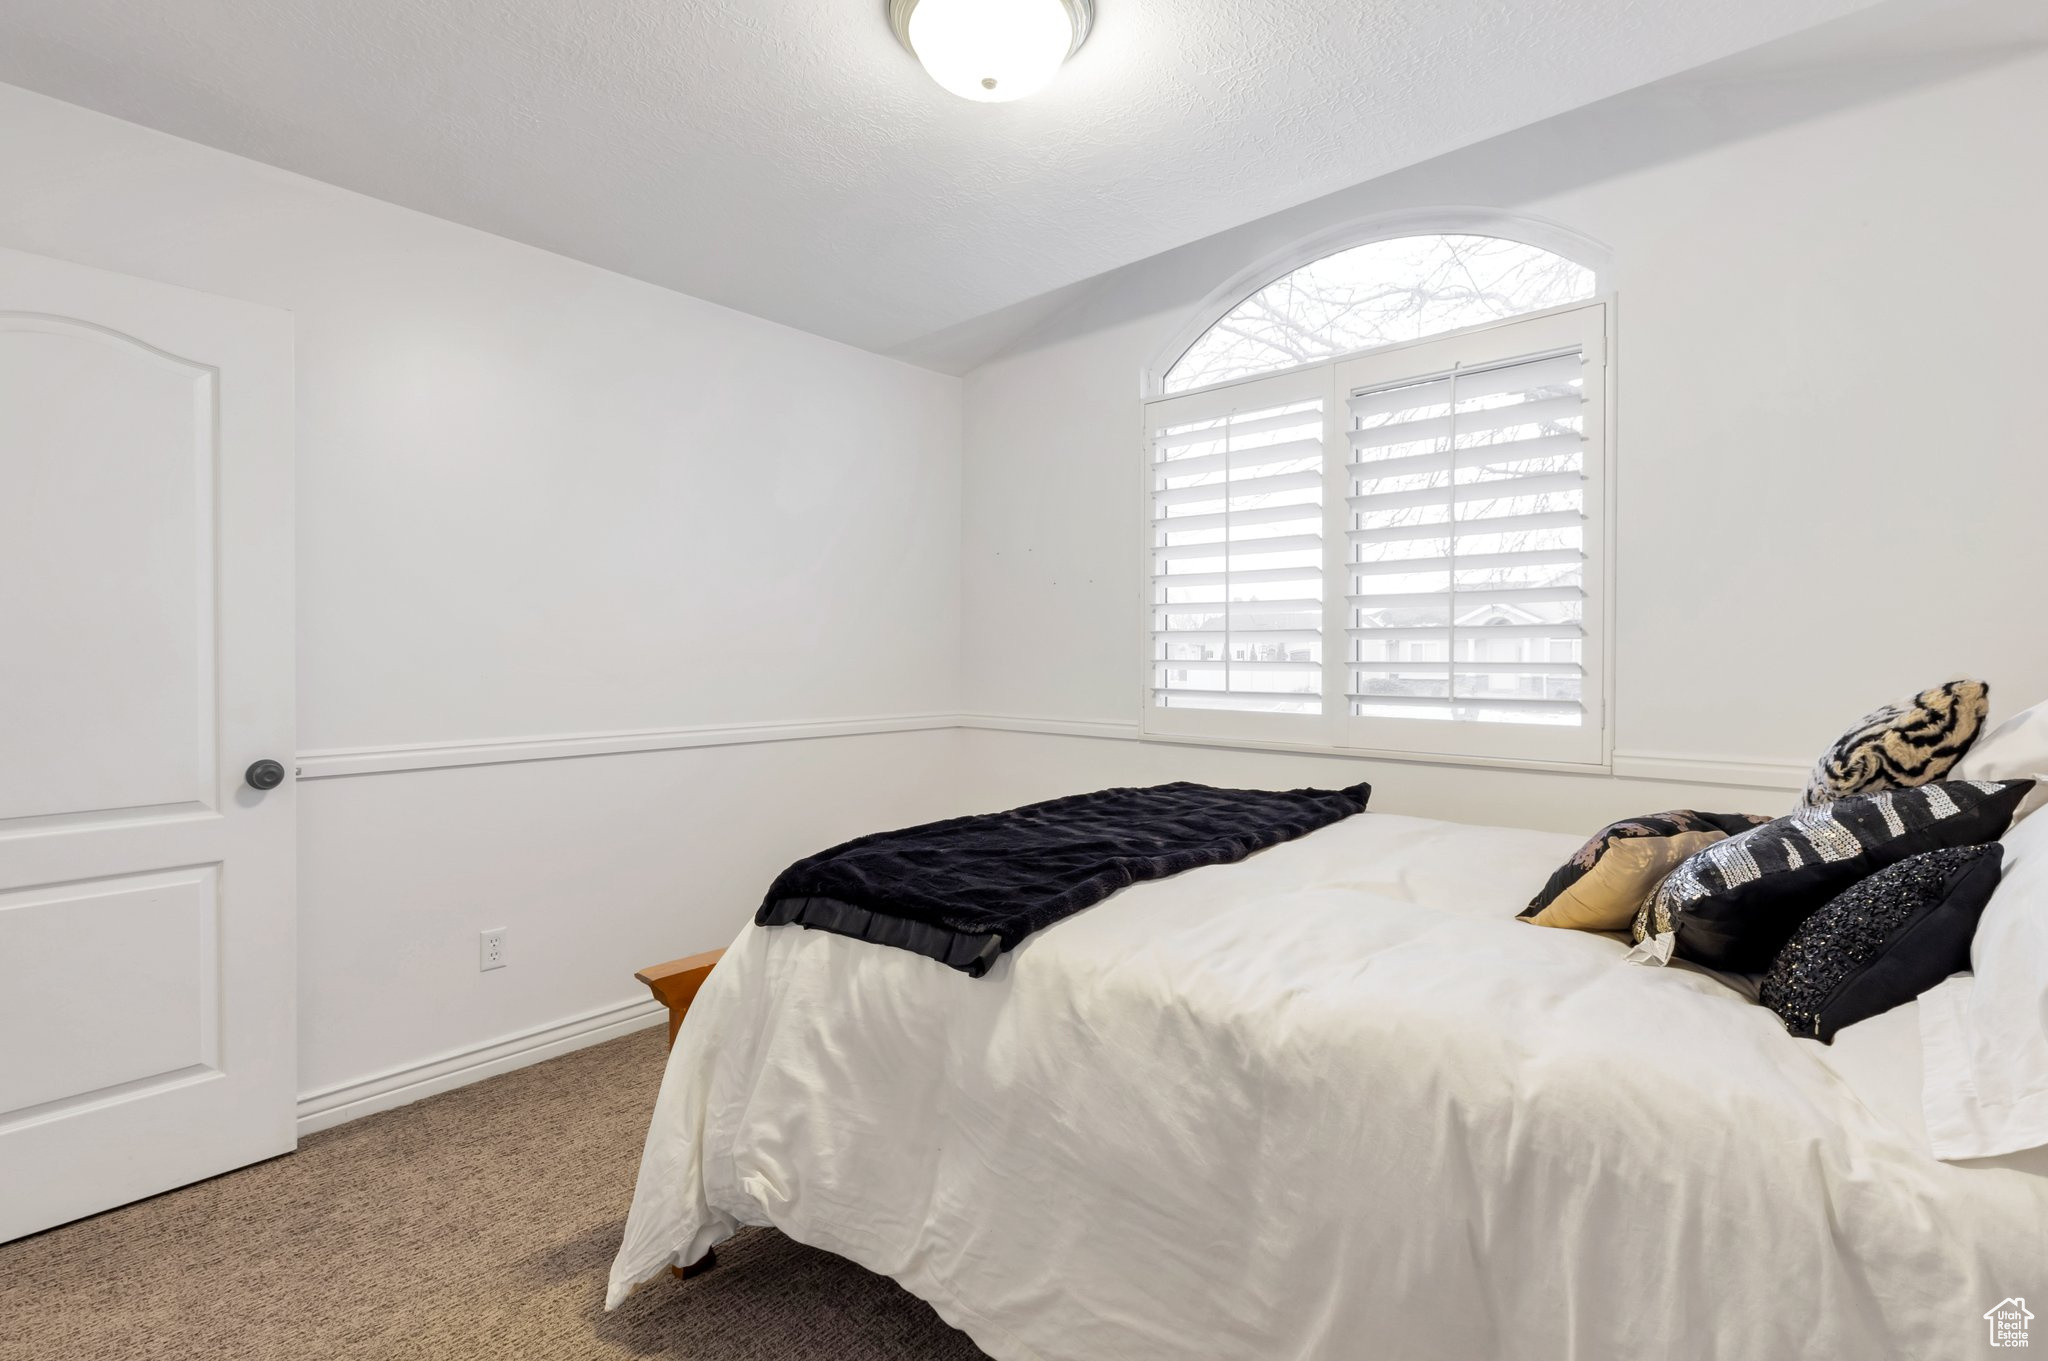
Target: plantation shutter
1472, 500
1403, 551
1237, 555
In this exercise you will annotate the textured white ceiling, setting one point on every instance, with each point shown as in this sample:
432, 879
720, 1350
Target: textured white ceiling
787, 158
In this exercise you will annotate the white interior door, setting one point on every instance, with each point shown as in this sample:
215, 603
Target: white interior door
147, 917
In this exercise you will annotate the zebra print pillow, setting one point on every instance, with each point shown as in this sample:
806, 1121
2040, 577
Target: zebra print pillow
1901, 745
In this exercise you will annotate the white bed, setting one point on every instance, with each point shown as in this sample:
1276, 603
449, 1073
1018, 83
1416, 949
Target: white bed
1332, 1102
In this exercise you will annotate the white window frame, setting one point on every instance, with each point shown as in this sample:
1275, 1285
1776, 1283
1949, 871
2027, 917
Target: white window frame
1588, 748
1435, 221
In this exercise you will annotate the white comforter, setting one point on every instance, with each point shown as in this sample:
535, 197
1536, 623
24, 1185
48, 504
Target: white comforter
1334, 1103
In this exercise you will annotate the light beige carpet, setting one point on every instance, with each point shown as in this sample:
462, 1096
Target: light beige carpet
476, 1224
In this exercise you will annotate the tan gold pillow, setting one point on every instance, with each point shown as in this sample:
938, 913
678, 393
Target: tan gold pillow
1650, 826
1607, 896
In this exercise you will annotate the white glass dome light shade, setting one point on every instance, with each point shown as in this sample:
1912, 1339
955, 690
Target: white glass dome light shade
992, 50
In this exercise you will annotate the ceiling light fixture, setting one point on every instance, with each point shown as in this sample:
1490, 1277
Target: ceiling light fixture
992, 50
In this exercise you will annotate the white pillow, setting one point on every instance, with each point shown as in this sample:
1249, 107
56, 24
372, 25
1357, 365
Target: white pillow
2016, 749
1984, 1035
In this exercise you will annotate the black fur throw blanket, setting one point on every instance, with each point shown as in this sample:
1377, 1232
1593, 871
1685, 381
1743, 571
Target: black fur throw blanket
965, 890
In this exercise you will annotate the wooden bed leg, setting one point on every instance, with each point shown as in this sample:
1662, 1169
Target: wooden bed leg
696, 1268
675, 985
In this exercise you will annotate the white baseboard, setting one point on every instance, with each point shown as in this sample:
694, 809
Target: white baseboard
401, 1086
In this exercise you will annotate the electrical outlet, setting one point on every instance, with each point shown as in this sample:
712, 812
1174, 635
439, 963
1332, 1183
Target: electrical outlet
491, 950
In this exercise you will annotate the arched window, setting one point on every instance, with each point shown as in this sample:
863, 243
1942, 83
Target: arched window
1377, 517
1381, 293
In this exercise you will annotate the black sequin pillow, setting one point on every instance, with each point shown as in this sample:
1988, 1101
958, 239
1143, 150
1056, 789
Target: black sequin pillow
1680, 822
1882, 942
1901, 745
1734, 905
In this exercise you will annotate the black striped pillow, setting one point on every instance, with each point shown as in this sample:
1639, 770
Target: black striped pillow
1735, 904
1901, 745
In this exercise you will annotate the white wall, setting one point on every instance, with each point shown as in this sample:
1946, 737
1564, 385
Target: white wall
536, 498
1830, 449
